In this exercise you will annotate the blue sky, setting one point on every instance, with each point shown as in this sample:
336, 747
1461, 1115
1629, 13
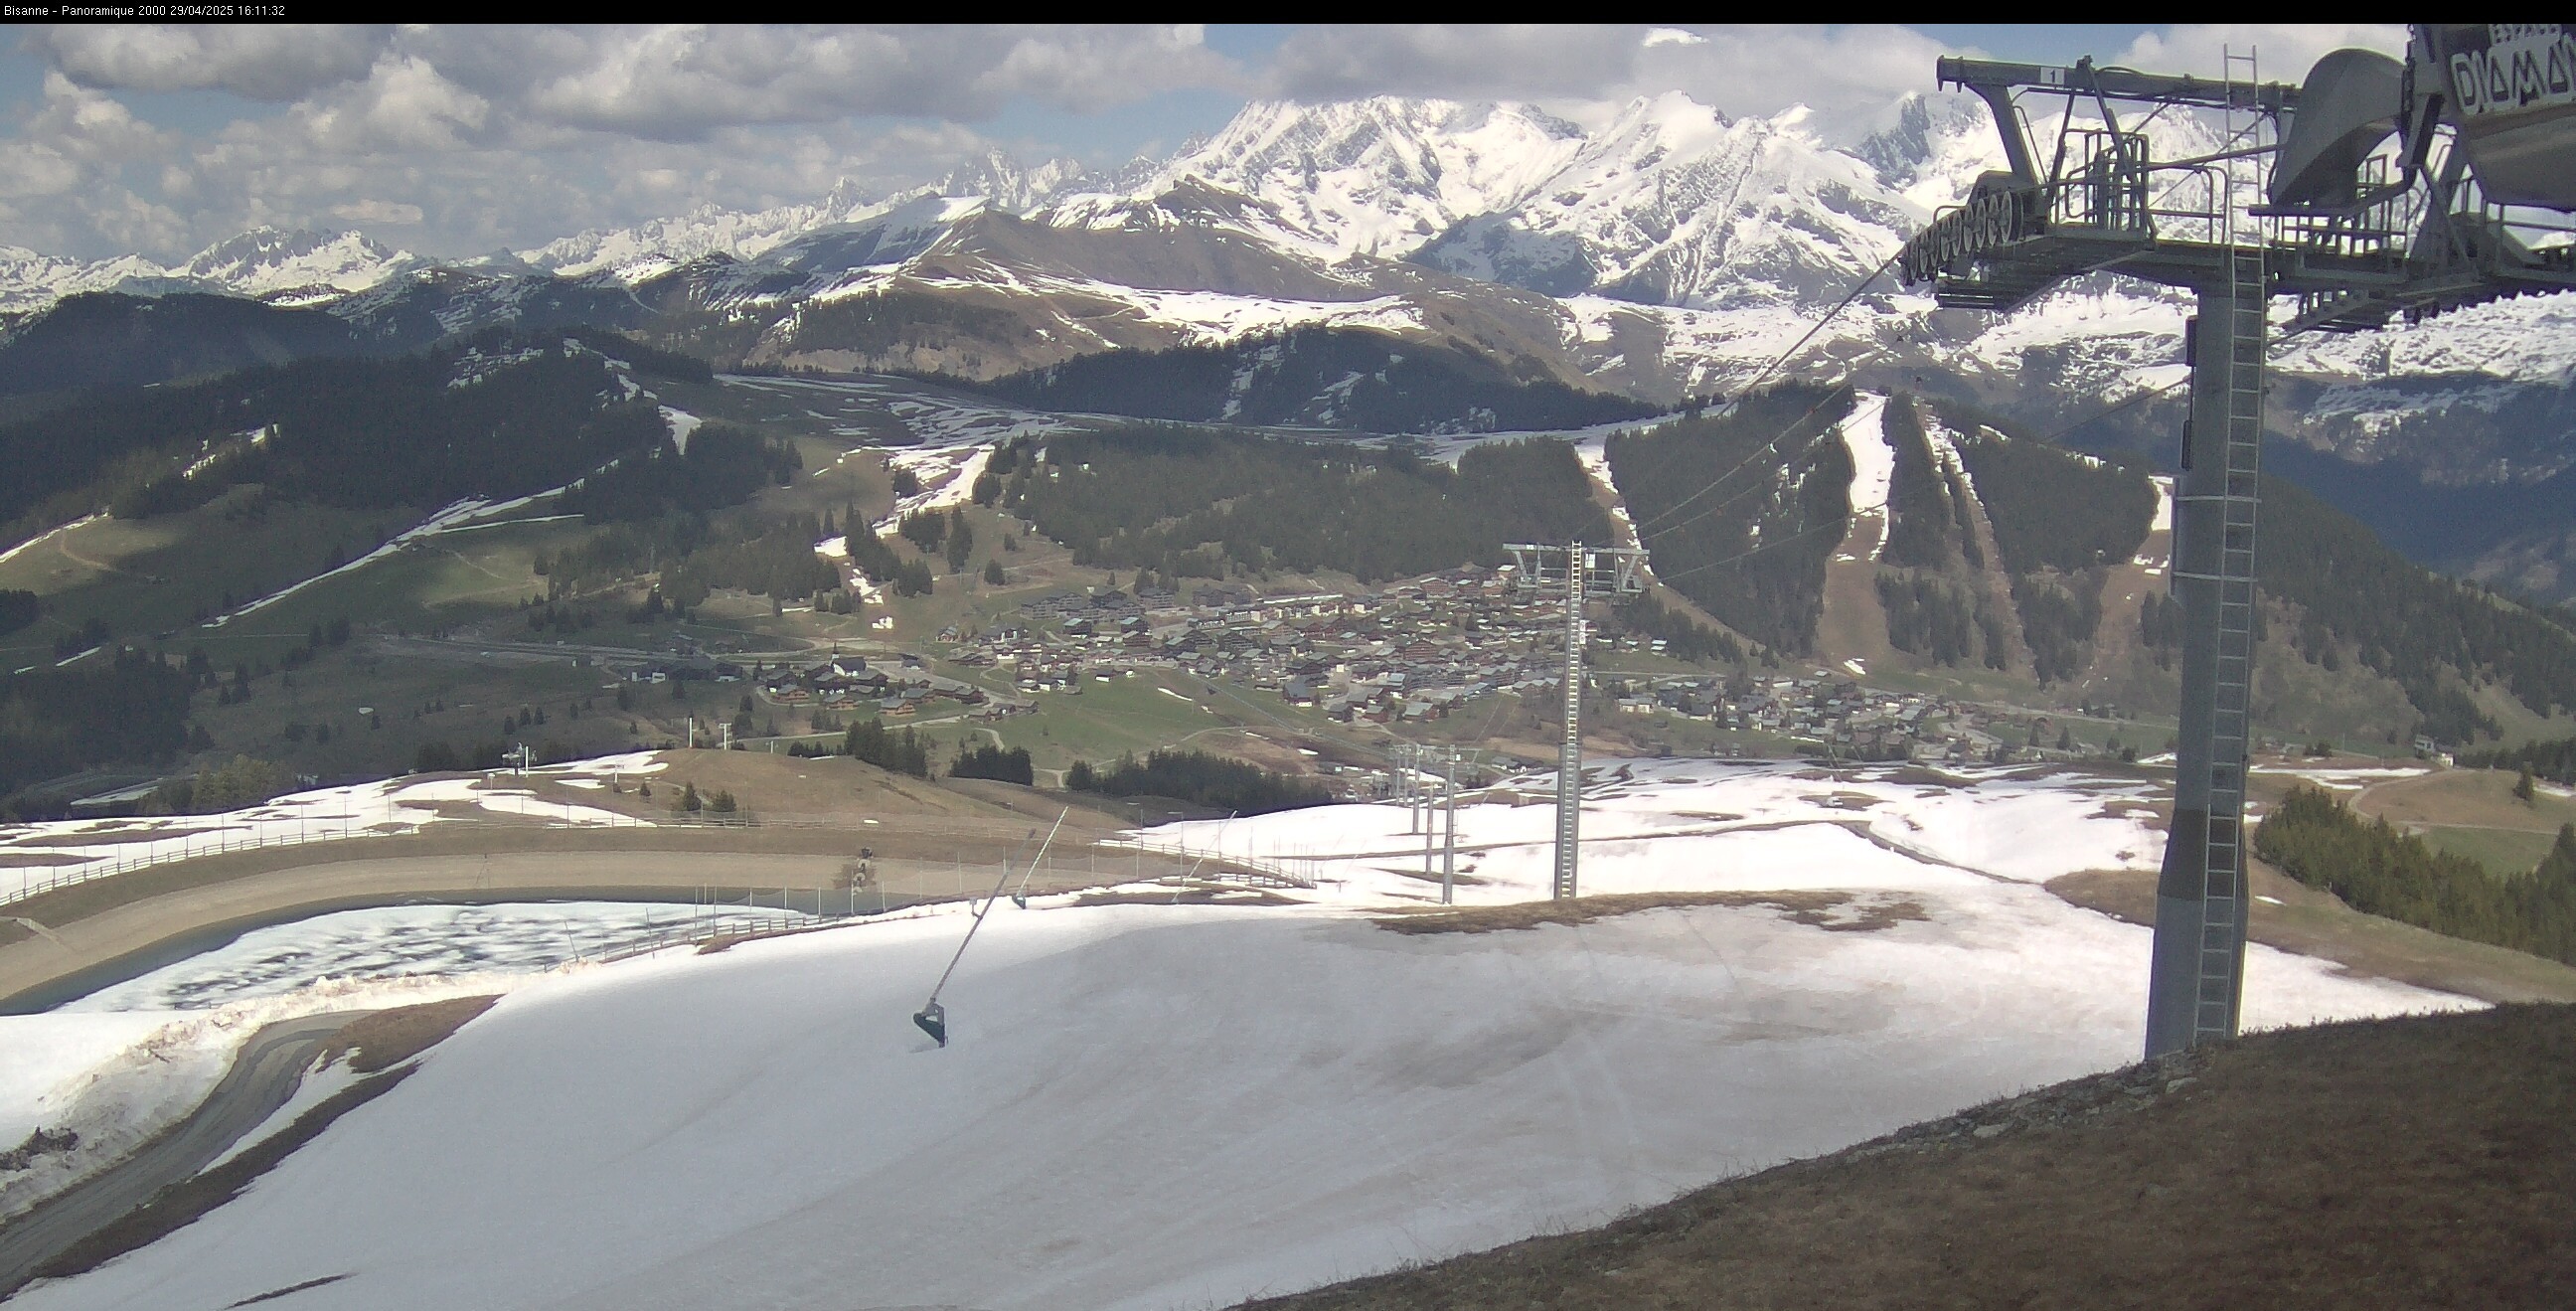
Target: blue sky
161, 140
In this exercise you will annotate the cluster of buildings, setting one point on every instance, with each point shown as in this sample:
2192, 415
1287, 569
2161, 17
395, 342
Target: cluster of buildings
849, 682
1837, 714
1410, 651
1418, 650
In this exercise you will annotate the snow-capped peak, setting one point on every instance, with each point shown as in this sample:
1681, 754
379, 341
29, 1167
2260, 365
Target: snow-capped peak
1673, 203
268, 260
1380, 176
1002, 182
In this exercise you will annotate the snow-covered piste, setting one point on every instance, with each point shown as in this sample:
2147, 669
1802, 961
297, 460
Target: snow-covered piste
1147, 1104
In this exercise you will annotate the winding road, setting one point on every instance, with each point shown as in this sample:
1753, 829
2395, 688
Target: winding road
262, 1078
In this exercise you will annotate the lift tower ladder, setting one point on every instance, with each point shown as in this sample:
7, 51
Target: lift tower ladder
2214, 573
2304, 198
1569, 745
1579, 569
2227, 575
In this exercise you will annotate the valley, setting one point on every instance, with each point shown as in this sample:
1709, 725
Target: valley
1410, 697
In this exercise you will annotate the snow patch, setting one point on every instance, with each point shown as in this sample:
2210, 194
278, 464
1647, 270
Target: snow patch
682, 423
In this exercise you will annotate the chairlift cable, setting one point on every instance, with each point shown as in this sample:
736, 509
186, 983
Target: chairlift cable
930, 1018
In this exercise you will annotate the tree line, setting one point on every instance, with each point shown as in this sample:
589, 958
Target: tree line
1190, 502
2555, 760
1199, 778
723, 464
499, 414
2379, 870
2061, 521
989, 761
1348, 378
1684, 638
127, 707
1741, 509
2433, 636
1929, 525
1942, 620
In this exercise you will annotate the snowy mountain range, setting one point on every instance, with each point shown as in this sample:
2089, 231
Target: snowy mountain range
1667, 252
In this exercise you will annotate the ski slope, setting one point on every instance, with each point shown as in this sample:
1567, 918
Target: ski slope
1156, 1105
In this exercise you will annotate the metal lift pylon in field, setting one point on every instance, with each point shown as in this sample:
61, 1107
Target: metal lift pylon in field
1579, 570
2377, 188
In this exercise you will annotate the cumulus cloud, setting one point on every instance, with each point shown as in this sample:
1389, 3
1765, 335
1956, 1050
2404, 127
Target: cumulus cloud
1504, 61
1846, 74
681, 82
393, 212
61, 173
468, 137
2286, 50
277, 63
1849, 75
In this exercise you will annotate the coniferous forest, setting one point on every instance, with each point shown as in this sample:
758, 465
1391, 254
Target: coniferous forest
1328, 377
1201, 779
2375, 868
498, 415
2553, 760
133, 707
1740, 510
2426, 632
1189, 502
2061, 521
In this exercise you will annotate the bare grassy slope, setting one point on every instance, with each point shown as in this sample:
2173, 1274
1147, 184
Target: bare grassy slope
2410, 1163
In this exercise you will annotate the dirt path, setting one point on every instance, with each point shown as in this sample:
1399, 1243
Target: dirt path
262, 1078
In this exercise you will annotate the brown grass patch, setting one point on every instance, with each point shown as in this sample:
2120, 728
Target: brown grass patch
1841, 800
1832, 911
129, 832
2312, 922
2464, 798
388, 1038
1189, 897
2155, 815
22, 859
2398, 1163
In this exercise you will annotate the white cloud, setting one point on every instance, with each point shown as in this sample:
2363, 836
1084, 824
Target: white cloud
1502, 61
680, 82
1847, 74
404, 104
2286, 50
391, 212
467, 138
262, 63
62, 173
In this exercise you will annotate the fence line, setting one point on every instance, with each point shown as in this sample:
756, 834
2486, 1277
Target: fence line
126, 857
